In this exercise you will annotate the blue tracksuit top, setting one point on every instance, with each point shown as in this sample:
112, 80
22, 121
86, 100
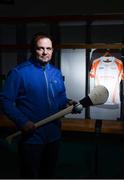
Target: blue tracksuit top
33, 93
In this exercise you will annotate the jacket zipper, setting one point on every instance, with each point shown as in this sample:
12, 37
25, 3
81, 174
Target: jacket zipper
48, 97
52, 90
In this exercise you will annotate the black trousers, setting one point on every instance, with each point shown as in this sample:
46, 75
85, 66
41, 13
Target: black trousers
38, 160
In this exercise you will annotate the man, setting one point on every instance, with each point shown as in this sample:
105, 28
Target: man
33, 91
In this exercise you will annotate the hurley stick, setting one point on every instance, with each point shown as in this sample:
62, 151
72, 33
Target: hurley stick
98, 95
43, 122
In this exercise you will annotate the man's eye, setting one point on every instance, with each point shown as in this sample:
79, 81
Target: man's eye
42, 48
49, 48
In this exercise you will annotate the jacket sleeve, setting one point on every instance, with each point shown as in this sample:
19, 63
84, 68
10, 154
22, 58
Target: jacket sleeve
10, 93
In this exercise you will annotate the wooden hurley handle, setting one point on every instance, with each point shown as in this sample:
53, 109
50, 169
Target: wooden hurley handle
43, 121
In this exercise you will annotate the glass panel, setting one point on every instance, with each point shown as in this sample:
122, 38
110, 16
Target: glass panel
107, 31
7, 34
73, 67
9, 60
34, 28
72, 32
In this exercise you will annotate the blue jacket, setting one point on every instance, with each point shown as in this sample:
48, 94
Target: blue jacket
33, 93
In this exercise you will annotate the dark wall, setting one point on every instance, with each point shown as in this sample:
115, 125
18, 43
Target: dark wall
85, 155
60, 7
82, 156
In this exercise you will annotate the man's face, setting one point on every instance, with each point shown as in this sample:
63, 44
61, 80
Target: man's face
44, 49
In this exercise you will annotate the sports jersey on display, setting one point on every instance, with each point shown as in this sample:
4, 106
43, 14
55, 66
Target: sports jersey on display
108, 71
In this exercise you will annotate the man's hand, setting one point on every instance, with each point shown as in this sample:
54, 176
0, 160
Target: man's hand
29, 127
77, 109
71, 102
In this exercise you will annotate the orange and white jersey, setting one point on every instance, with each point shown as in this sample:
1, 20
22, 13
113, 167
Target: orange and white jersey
108, 71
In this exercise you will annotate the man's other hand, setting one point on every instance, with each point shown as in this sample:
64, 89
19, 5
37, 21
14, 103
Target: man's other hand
29, 127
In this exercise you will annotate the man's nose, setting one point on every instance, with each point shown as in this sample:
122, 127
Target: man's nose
44, 51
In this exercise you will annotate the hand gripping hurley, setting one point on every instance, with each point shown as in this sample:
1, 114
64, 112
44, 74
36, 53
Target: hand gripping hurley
98, 95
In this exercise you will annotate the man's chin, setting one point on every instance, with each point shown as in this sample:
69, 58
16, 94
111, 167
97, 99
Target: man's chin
43, 61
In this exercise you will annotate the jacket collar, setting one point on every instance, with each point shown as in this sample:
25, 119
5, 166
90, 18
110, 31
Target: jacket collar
38, 63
